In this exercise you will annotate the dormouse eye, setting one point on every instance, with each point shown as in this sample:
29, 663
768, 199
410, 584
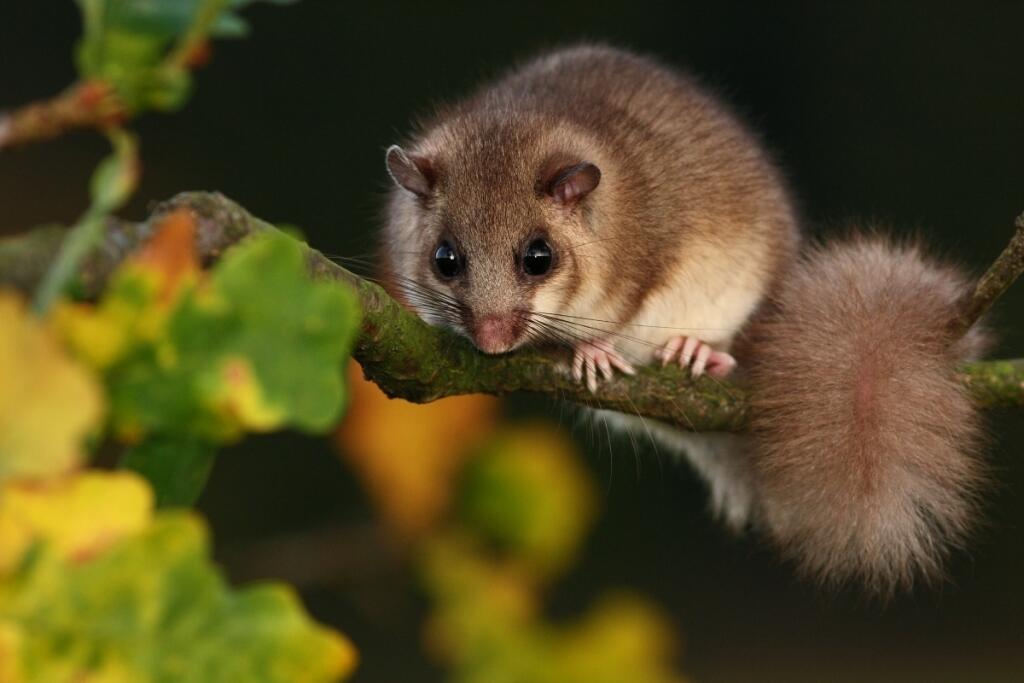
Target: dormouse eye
447, 260
537, 259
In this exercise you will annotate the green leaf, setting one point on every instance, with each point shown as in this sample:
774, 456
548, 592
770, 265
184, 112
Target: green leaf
115, 179
262, 346
126, 43
294, 331
141, 47
230, 26
176, 468
153, 609
527, 494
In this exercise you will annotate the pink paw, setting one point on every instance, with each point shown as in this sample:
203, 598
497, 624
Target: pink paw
592, 357
697, 355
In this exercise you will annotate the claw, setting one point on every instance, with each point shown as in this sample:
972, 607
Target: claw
698, 356
689, 347
670, 350
700, 360
595, 361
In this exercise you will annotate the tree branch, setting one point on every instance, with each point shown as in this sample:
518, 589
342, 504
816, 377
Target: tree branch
92, 104
409, 359
996, 280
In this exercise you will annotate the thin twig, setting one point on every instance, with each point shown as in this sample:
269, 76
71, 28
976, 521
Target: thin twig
996, 280
92, 104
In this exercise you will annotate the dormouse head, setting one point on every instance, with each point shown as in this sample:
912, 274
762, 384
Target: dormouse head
482, 235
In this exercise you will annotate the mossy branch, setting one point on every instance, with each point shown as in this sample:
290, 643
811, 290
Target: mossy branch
409, 359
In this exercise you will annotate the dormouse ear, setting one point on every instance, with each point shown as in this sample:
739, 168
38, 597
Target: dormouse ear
410, 171
569, 184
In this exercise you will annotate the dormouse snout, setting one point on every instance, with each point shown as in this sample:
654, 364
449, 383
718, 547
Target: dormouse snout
497, 333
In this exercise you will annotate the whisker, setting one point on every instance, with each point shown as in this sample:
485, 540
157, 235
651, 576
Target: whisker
629, 324
604, 331
573, 247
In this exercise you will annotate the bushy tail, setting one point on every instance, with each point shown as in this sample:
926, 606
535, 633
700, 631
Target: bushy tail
866, 465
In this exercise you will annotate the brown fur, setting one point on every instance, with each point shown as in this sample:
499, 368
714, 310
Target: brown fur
865, 443
677, 172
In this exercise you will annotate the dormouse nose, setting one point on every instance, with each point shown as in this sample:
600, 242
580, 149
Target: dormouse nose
497, 333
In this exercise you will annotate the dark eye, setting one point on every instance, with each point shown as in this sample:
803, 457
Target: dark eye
447, 260
537, 259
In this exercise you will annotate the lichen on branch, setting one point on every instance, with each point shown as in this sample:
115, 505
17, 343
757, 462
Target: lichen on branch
412, 360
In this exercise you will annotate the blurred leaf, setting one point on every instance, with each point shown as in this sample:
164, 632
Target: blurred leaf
230, 26
139, 299
152, 608
525, 503
164, 18
621, 638
295, 333
176, 468
408, 454
487, 626
48, 403
477, 600
78, 515
135, 45
527, 493
125, 43
258, 345
170, 255
116, 177
191, 360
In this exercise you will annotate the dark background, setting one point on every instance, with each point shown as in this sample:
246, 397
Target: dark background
908, 113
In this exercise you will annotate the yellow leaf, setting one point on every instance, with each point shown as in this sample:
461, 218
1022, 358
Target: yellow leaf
408, 454
621, 636
476, 599
98, 339
79, 515
239, 398
11, 639
48, 403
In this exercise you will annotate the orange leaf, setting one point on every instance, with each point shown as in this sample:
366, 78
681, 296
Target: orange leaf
171, 252
408, 454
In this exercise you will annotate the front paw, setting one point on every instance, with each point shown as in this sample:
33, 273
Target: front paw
597, 356
698, 356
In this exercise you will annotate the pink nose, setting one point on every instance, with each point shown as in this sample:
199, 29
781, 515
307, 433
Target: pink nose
495, 333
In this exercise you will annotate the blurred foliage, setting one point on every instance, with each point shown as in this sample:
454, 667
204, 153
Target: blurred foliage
525, 505
134, 55
526, 494
192, 359
169, 364
48, 403
506, 514
98, 582
409, 455
93, 586
77, 515
144, 49
108, 592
